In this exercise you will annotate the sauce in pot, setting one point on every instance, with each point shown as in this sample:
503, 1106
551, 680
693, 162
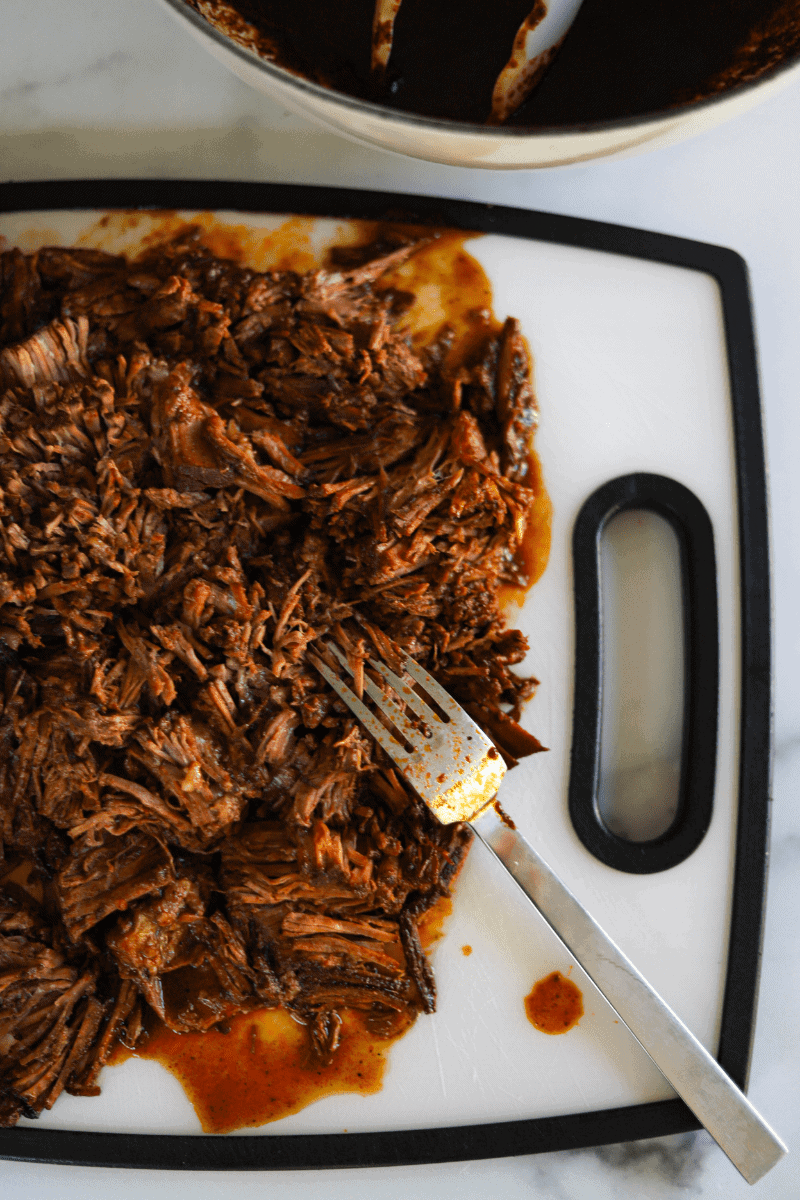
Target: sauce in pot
618, 60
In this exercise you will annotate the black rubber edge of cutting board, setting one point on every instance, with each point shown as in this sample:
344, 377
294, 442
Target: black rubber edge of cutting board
282, 1151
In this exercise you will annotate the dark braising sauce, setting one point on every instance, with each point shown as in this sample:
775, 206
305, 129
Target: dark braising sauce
446, 56
535, 549
629, 58
437, 49
619, 59
555, 1004
330, 43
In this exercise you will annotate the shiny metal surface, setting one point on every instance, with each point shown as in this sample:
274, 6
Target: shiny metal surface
713, 1097
456, 770
448, 759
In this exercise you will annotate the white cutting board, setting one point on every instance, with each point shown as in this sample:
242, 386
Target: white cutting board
631, 375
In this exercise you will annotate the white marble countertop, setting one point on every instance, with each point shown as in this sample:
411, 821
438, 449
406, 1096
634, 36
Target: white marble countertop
98, 89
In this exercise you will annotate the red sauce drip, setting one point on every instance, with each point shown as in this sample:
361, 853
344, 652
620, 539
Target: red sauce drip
555, 1004
503, 815
531, 558
466, 951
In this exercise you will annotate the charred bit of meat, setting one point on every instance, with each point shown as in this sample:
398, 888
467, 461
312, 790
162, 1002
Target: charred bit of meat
204, 470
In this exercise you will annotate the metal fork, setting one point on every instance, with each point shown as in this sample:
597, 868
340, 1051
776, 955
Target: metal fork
456, 770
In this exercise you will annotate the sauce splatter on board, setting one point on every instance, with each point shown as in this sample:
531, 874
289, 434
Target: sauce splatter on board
284, 243
555, 1004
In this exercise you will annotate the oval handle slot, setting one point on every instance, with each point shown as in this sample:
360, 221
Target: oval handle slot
642, 655
608, 805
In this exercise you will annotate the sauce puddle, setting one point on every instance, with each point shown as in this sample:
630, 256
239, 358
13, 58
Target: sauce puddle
555, 1004
261, 1069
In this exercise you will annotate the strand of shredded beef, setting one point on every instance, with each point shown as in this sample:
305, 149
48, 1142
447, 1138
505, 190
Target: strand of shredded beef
204, 470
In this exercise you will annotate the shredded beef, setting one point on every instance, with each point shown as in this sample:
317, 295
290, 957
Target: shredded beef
204, 471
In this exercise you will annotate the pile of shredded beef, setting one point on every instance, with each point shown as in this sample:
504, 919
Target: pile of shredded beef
204, 471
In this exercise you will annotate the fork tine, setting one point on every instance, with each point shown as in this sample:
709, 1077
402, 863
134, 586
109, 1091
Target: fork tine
454, 768
405, 692
367, 719
395, 714
434, 689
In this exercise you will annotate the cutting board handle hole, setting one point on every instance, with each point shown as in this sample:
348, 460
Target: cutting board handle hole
642, 655
645, 712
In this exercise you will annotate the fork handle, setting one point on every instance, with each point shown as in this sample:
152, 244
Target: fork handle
713, 1097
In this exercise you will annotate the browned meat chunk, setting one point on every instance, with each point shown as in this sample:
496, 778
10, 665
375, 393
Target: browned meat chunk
193, 971
97, 880
56, 1031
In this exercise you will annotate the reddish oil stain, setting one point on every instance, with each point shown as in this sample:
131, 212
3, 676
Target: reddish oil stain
466, 951
555, 1004
431, 925
288, 246
532, 556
